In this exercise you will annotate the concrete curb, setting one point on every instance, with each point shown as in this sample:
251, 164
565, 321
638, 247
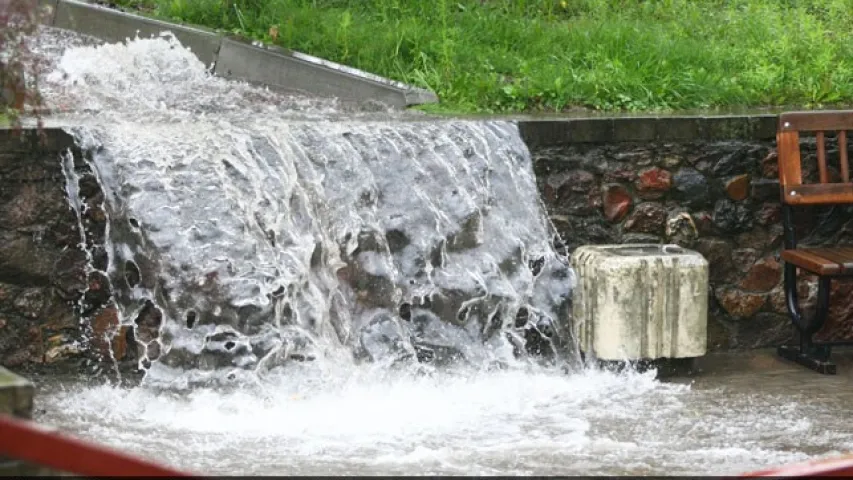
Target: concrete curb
543, 133
278, 69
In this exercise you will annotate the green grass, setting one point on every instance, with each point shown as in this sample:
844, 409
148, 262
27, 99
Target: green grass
550, 55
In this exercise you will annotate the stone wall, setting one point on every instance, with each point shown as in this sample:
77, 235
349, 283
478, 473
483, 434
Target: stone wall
709, 184
46, 283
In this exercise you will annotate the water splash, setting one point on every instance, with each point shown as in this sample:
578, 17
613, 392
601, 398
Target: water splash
366, 420
249, 240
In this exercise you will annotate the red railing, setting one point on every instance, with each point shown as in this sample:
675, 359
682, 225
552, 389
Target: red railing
828, 467
24, 440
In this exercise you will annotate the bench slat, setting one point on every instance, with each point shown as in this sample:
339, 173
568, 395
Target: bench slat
818, 194
822, 261
832, 120
842, 153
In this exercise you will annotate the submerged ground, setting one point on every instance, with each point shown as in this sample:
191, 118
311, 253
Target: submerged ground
743, 412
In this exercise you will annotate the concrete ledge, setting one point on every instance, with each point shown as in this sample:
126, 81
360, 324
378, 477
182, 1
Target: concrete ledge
276, 68
540, 133
16, 395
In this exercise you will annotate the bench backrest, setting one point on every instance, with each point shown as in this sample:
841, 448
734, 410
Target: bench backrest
794, 191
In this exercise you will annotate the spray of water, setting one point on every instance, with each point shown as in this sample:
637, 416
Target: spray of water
257, 229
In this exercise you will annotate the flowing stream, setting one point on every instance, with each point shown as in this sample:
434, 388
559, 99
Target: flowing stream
318, 288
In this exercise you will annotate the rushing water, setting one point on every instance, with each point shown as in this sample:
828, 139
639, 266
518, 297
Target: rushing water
258, 229
342, 291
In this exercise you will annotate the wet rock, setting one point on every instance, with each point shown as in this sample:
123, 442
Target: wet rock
384, 340
17, 358
732, 217
153, 350
617, 202
681, 230
762, 238
368, 241
719, 255
469, 236
653, 183
69, 274
397, 240
99, 291
537, 337
744, 258
266, 341
704, 222
740, 304
737, 188
561, 186
806, 294
770, 165
29, 302
226, 347
769, 214
107, 336
148, 322
370, 277
691, 188
762, 276
732, 163
647, 218
620, 174
764, 189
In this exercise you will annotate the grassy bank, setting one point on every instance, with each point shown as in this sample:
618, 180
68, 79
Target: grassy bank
554, 55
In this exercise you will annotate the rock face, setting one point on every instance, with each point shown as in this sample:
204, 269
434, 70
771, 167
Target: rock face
47, 282
395, 241
721, 199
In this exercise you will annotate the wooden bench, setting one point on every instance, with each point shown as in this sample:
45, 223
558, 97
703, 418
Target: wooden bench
827, 263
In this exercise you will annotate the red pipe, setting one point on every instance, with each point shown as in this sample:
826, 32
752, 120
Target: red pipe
829, 467
28, 441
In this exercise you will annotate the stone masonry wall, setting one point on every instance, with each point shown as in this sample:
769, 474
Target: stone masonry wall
706, 184
46, 283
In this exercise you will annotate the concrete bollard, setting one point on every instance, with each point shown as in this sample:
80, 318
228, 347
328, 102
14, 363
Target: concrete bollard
16, 399
640, 302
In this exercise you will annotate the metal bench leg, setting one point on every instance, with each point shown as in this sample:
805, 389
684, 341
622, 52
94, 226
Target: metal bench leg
809, 354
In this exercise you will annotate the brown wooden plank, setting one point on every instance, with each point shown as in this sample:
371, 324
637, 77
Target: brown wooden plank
821, 158
842, 153
788, 146
817, 120
804, 258
818, 194
834, 255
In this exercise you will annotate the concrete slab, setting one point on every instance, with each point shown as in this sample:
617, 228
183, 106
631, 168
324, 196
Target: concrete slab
291, 72
16, 395
115, 26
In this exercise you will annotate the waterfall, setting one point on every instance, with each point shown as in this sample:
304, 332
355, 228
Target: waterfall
250, 230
